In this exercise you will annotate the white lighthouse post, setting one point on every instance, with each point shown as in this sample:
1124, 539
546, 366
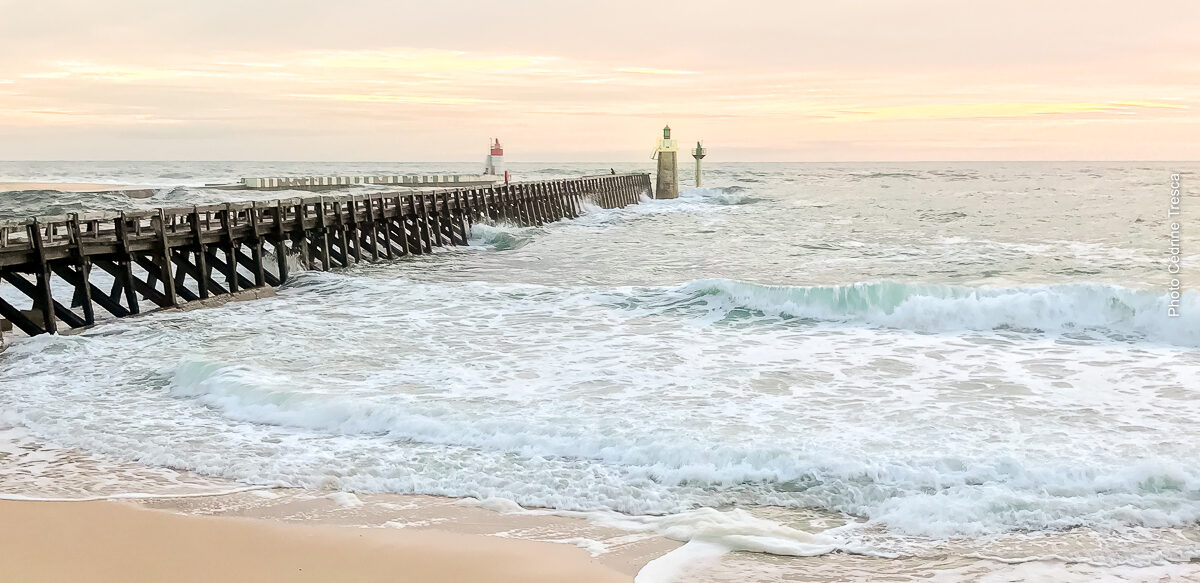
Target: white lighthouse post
668, 177
495, 159
699, 152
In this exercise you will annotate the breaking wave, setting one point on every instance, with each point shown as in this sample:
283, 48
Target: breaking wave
722, 195
1059, 308
915, 494
23, 204
499, 237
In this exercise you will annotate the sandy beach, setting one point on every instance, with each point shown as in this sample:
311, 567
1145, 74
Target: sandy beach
102, 541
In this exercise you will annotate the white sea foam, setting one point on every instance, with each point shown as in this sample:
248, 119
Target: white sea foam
733, 530
715, 532
691, 557
722, 195
942, 496
655, 433
345, 499
942, 308
622, 365
500, 236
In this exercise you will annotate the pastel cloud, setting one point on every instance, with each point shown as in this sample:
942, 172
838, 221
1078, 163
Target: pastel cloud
372, 80
996, 110
653, 71
376, 98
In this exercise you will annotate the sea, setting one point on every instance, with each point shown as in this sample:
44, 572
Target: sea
805, 372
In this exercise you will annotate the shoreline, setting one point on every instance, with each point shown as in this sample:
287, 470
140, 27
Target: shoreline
110, 541
168, 533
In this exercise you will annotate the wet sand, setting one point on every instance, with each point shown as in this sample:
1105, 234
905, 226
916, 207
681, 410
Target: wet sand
102, 541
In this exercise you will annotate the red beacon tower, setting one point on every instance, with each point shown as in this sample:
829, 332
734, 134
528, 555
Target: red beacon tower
495, 160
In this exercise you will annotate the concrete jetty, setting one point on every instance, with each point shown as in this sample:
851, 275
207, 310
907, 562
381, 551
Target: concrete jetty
336, 182
169, 257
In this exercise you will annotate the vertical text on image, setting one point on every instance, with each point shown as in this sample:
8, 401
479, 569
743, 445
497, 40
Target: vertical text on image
1174, 249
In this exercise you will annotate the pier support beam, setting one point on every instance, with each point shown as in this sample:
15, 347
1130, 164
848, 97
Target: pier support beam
179, 246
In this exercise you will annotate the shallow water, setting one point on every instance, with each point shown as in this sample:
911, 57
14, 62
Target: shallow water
964, 370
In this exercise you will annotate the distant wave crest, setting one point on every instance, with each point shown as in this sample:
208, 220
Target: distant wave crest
722, 195
1059, 308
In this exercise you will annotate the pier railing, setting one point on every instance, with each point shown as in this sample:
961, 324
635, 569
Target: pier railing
165, 257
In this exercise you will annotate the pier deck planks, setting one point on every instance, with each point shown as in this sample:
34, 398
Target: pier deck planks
169, 256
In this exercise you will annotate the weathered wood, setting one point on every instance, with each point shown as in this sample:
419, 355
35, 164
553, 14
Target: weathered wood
83, 287
464, 216
256, 267
124, 273
446, 214
202, 273
18, 318
325, 254
155, 271
372, 229
43, 297
173, 245
450, 219
164, 258
527, 196
435, 221
385, 229
55, 309
466, 198
254, 243
280, 242
228, 265
422, 218
96, 294
351, 233
535, 200
199, 272
130, 284
147, 288
544, 202
514, 194
300, 241
337, 250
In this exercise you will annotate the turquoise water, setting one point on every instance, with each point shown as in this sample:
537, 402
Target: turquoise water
905, 370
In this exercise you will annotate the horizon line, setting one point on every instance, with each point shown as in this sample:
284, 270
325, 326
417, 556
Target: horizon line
264, 161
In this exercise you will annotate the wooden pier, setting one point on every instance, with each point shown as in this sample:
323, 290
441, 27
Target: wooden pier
168, 257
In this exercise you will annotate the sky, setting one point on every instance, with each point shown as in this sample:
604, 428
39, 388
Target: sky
378, 80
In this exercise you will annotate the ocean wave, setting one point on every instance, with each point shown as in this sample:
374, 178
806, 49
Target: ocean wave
885, 175
500, 236
1056, 308
721, 195
23, 204
734, 529
923, 495
707, 534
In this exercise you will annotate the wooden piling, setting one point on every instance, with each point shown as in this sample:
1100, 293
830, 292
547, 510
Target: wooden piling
179, 246
280, 241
